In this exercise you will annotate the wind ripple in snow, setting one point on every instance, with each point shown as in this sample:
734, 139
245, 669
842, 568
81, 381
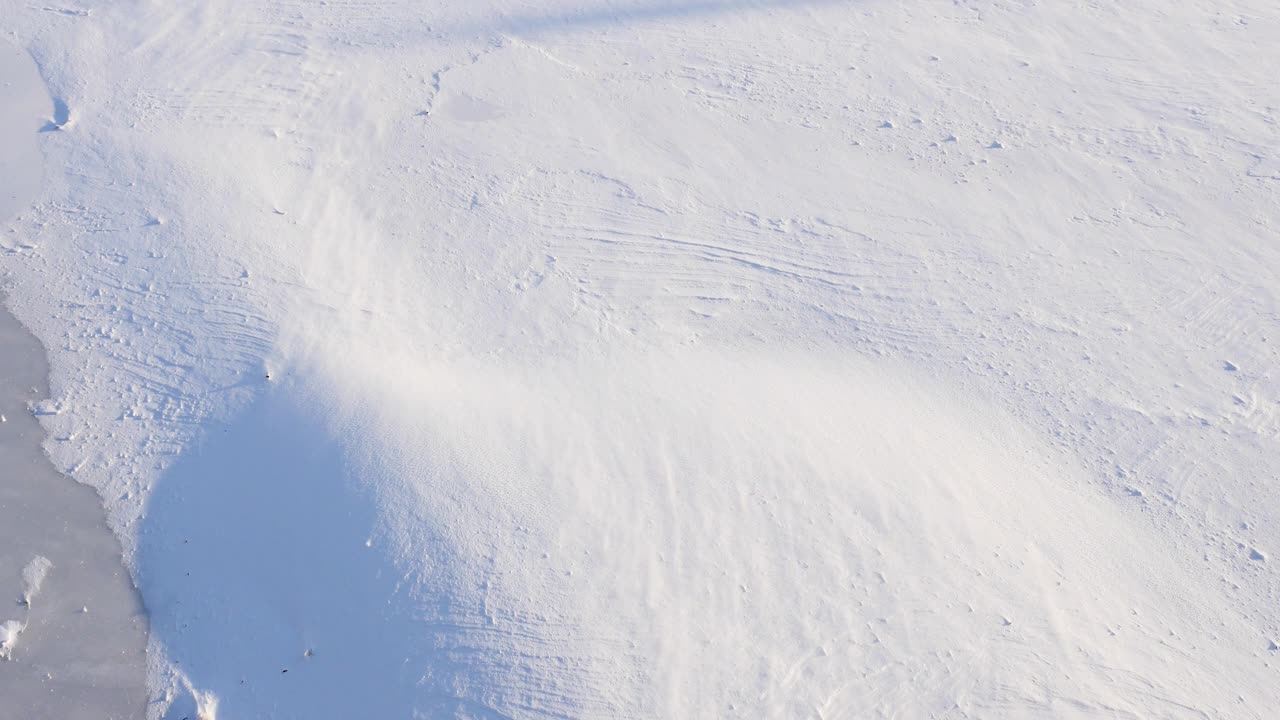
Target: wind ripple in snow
687, 536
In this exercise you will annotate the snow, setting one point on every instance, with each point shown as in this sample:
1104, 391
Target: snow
20, 161
671, 359
33, 576
9, 632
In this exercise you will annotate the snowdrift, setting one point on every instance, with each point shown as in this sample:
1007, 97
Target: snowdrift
694, 535
670, 359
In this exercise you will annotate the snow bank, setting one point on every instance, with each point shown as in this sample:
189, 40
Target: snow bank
669, 359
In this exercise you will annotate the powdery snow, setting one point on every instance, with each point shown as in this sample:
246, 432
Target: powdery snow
9, 632
672, 359
33, 575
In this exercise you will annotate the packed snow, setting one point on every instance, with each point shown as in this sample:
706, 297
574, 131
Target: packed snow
671, 359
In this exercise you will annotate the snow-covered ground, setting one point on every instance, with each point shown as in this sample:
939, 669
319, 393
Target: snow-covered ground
680, 359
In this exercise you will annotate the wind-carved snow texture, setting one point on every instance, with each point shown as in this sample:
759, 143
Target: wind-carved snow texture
672, 359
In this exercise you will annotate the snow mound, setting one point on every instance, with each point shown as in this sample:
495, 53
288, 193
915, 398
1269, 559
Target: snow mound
692, 535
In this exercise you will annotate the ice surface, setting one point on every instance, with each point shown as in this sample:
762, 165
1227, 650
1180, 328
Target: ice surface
672, 359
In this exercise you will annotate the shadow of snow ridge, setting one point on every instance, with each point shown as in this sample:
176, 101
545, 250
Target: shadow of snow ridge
273, 592
616, 14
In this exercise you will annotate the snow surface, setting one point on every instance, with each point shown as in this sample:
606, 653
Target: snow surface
672, 359
20, 161
60, 664
33, 575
